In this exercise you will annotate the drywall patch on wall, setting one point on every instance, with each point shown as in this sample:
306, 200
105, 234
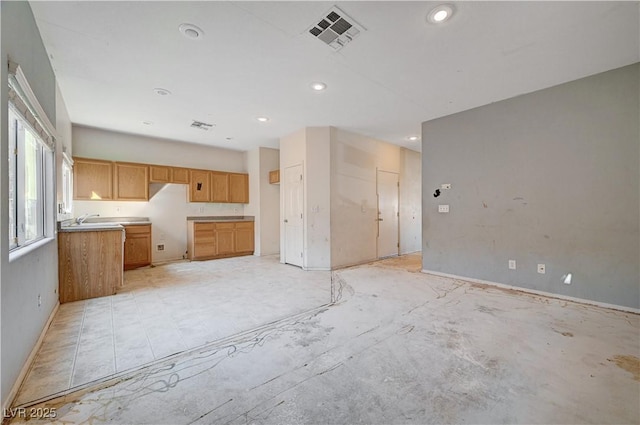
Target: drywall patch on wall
550, 177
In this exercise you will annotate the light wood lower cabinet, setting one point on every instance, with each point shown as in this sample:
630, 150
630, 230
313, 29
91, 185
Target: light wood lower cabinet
137, 246
89, 264
208, 240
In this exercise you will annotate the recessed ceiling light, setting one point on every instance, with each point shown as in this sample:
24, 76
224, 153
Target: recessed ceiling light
147, 123
413, 138
318, 86
161, 92
191, 31
263, 119
440, 14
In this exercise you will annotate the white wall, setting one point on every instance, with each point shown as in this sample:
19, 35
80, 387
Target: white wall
35, 273
317, 209
410, 201
252, 159
168, 208
354, 161
269, 203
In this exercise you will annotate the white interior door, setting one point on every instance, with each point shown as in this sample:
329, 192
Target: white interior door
387, 214
293, 206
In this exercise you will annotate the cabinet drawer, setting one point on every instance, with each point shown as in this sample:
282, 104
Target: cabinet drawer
138, 228
244, 225
221, 226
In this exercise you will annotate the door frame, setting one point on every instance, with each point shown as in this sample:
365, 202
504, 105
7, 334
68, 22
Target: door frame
283, 234
378, 213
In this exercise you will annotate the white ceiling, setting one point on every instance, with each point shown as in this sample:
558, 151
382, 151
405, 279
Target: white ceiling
257, 58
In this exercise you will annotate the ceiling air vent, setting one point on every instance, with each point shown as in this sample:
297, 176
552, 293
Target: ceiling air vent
201, 125
335, 29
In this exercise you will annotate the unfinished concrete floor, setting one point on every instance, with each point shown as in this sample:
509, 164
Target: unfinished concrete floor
395, 347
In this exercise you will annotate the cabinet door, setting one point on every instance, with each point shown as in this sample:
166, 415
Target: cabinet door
137, 246
132, 182
219, 187
200, 186
274, 177
239, 188
92, 179
225, 238
180, 175
244, 237
204, 240
159, 174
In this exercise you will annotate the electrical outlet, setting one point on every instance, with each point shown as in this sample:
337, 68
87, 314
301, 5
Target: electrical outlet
160, 247
201, 209
443, 208
512, 264
445, 186
541, 269
39, 300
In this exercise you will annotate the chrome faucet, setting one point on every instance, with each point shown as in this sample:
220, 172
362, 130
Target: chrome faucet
83, 217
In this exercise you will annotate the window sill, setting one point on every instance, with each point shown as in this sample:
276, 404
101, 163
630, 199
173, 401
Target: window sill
27, 249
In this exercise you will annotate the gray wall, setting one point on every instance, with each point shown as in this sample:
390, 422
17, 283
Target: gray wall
548, 177
36, 273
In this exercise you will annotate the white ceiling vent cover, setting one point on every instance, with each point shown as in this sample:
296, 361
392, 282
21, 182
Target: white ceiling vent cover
201, 125
336, 29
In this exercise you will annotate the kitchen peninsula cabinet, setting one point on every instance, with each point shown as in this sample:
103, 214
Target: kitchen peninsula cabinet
89, 263
215, 238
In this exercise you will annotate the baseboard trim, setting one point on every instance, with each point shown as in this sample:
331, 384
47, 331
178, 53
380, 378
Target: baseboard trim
27, 364
536, 292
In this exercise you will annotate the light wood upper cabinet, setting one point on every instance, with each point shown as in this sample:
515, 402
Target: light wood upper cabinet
239, 188
159, 174
274, 177
131, 182
219, 187
92, 179
179, 175
200, 186
137, 246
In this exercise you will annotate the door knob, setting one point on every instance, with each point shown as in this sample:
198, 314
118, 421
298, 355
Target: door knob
380, 219
286, 221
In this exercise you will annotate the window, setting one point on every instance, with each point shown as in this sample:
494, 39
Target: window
28, 161
67, 186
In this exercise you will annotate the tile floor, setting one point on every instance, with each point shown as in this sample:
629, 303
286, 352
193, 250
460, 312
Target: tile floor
164, 310
396, 346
